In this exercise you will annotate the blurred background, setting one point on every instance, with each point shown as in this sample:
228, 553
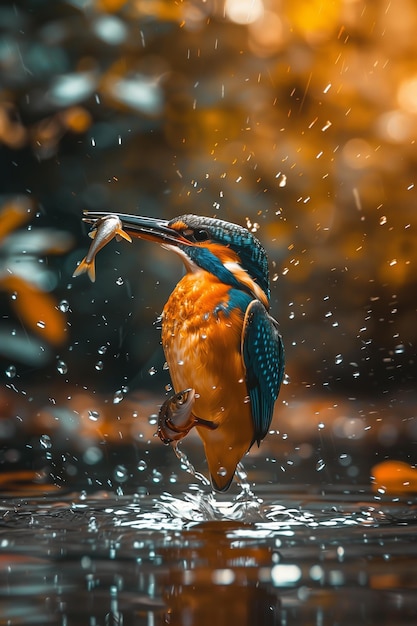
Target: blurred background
295, 118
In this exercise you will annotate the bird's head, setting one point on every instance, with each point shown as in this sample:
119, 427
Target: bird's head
230, 252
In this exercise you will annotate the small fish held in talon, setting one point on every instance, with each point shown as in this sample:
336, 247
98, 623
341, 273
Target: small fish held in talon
103, 231
175, 418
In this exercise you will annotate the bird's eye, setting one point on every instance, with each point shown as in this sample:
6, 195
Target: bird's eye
196, 234
200, 235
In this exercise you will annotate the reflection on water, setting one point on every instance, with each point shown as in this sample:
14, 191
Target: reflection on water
194, 557
317, 529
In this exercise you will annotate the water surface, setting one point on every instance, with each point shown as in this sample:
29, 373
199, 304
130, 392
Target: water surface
305, 556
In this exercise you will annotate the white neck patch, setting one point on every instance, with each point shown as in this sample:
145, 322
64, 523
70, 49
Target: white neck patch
242, 276
237, 270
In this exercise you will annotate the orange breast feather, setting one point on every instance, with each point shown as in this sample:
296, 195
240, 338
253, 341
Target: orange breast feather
202, 344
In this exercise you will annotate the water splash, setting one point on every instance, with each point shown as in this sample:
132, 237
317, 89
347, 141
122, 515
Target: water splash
200, 505
188, 466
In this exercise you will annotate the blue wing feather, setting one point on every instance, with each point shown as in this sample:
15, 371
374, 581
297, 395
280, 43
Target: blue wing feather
263, 356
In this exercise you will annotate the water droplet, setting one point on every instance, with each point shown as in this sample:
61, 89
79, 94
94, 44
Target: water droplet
142, 466
383, 220
118, 396
14, 295
222, 471
120, 474
93, 415
168, 387
119, 281
45, 441
242, 475
338, 359
153, 419
40, 324
11, 371
340, 553
64, 306
345, 459
165, 366
156, 476
92, 455
152, 371
400, 349
320, 465
99, 366
61, 367
286, 380
102, 350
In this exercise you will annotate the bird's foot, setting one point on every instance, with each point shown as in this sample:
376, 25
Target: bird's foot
175, 419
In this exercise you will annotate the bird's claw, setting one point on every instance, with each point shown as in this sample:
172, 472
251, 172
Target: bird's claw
175, 419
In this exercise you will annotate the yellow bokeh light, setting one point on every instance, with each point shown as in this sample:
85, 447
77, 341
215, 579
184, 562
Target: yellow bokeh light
314, 18
267, 34
244, 11
407, 95
357, 153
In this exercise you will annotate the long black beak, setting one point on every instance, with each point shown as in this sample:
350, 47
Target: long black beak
150, 228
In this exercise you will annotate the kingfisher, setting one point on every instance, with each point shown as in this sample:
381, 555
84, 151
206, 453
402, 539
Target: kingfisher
223, 348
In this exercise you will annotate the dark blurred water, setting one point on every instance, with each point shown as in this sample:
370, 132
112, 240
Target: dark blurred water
269, 555
108, 526
188, 559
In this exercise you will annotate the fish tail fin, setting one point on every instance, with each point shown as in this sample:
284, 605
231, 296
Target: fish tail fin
121, 234
86, 267
92, 271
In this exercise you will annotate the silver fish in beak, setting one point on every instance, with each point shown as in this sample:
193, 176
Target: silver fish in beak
103, 231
